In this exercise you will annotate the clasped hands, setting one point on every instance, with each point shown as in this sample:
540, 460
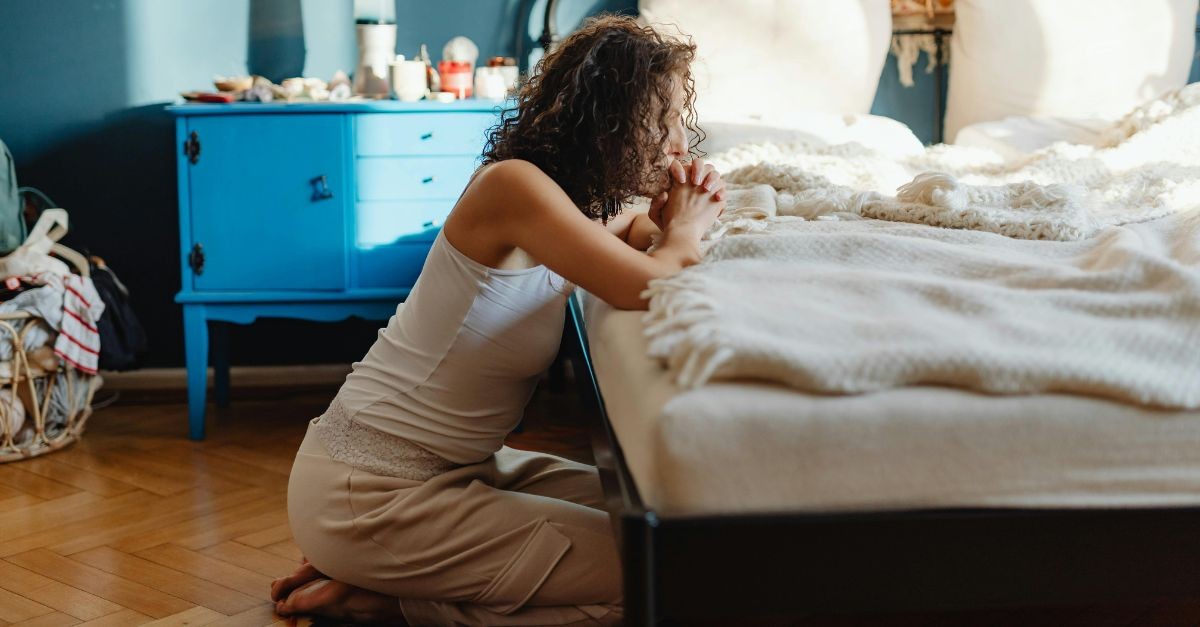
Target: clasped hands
697, 192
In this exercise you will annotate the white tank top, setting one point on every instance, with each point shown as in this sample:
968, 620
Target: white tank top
457, 363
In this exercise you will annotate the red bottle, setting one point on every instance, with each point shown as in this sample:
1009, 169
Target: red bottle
456, 77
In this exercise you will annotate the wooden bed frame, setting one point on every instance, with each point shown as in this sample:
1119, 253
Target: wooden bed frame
788, 565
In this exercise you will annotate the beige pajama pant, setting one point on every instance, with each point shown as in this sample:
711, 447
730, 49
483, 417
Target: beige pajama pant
518, 539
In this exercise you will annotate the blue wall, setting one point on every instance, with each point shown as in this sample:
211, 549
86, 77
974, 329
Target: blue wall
84, 82
1195, 75
912, 105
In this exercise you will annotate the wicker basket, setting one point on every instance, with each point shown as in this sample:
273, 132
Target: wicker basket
35, 385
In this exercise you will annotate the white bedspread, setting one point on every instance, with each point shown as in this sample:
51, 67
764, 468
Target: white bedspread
851, 307
1110, 309
738, 447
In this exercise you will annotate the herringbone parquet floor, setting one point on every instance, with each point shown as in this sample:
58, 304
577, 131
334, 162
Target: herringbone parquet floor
138, 525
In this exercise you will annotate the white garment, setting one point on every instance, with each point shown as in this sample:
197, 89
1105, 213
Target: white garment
455, 367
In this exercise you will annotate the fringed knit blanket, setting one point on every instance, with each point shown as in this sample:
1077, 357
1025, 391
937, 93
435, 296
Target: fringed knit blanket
853, 305
1149, 167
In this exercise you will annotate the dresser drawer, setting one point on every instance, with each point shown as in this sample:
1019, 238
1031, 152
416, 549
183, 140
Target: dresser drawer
389, 222
413, 178
422, 133
392, 266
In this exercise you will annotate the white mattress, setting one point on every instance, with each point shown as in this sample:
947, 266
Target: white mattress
749, 447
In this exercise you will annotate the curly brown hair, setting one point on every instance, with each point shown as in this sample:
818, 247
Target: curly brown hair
595, 112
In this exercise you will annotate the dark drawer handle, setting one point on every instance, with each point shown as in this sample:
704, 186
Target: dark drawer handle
428, 179
321, 189
427, 136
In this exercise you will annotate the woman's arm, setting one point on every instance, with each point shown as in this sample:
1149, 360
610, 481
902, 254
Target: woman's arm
641, 232
513, 204
633, 228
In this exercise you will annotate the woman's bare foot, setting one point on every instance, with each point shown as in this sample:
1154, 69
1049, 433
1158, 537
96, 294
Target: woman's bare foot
282, 587
341, 601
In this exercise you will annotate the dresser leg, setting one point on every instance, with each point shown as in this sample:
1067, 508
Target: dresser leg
195, 337
220, 362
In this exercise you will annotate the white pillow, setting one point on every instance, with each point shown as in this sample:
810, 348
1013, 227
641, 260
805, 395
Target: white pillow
767, 57
1066, 58
1016, 136
884, 135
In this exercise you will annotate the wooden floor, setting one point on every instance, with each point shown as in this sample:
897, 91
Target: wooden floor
138, 525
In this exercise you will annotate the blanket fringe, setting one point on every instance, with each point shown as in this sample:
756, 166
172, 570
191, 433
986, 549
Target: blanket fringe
701, 363
681, 328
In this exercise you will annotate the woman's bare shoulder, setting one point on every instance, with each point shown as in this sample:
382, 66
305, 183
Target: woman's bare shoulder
500, 196
513, 173
524, 186
511, 188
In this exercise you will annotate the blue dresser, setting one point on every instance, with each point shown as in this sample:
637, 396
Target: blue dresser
312, 211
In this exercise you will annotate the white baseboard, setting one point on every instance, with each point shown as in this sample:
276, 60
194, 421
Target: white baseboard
239, 377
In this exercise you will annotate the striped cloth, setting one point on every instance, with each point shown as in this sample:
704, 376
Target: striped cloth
78, 340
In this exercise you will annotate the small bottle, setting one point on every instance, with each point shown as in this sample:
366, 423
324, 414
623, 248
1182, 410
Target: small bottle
431, 75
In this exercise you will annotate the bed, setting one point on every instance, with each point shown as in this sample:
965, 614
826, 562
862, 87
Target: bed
742, 498
722, 514
919, 497
903, 448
